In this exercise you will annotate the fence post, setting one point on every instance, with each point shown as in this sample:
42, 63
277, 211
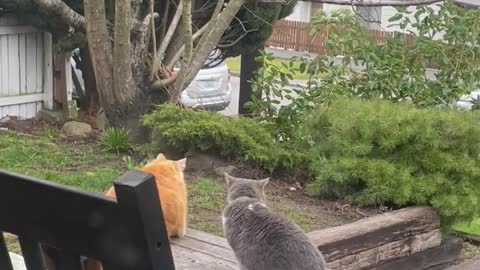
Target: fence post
297, 36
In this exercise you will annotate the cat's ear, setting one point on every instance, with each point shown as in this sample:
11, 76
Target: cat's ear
182, 164
160, 156
261, 184
228, 178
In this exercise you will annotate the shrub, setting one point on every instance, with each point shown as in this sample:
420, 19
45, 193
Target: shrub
115, 140
188, 130
377, 152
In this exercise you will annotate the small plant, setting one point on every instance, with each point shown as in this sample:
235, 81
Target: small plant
131, 165
115, 140
51, 134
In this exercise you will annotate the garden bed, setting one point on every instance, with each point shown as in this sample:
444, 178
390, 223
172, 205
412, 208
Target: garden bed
78, 162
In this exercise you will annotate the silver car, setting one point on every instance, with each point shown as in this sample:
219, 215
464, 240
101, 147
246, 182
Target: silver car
466, 102
210, 89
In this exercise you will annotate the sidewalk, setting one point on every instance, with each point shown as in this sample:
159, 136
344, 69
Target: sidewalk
287, 54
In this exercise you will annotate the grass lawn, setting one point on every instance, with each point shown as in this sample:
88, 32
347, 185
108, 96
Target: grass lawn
234, 66
79, 165
207, 199
86, 166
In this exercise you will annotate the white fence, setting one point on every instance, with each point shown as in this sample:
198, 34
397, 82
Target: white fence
26, 72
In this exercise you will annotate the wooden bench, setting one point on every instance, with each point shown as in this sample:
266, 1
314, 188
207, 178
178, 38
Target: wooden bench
127, 233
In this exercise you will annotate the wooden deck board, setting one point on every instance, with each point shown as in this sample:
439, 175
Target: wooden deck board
200, 250
473, 264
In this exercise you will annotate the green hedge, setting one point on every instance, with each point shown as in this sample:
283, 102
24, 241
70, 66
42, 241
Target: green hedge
378, 153
188, 130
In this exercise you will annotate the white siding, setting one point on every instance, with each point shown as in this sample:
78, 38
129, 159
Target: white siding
25, 69
330, 7
303, 10
389, 12
301, 13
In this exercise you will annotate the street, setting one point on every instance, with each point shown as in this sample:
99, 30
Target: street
232, 109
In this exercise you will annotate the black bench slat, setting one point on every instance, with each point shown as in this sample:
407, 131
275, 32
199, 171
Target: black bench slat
128, 234
135, 195
5, 262
32, 254
68, 262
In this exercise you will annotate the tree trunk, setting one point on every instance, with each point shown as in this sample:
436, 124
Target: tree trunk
91, 97
121, 81
129, 118
248, 66
100, 50
123, 86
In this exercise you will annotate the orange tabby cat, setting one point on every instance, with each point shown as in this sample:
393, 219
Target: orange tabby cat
173, 195
172, 191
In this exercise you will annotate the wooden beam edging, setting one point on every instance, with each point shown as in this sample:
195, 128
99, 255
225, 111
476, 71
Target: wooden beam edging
379, 239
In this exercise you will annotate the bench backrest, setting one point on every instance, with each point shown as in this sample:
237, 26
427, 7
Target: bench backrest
127, 233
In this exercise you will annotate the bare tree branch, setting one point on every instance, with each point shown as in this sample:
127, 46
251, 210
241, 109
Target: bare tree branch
188, 40
154, 38
230, 44
165, 19
235, 34
100, 48
180, 51
377, 3
209, 40
168, 37
161, 84
218, 8
62, 10
123, 84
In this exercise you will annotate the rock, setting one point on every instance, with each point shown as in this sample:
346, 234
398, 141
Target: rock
220, 171
71, 109
5, 119
51, 116
76, 129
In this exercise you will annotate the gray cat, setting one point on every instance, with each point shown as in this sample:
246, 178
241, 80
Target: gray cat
260, 238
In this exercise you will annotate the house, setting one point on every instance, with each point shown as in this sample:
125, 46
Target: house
32, 77
373, 17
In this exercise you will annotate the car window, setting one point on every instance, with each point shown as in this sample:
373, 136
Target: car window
211, 62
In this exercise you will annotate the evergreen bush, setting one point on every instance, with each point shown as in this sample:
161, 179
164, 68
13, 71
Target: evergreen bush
381, 153
189, 130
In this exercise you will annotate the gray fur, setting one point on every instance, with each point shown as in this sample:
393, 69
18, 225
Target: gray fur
260, 238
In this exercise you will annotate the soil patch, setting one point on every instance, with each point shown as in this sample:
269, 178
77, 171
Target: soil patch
285, 196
